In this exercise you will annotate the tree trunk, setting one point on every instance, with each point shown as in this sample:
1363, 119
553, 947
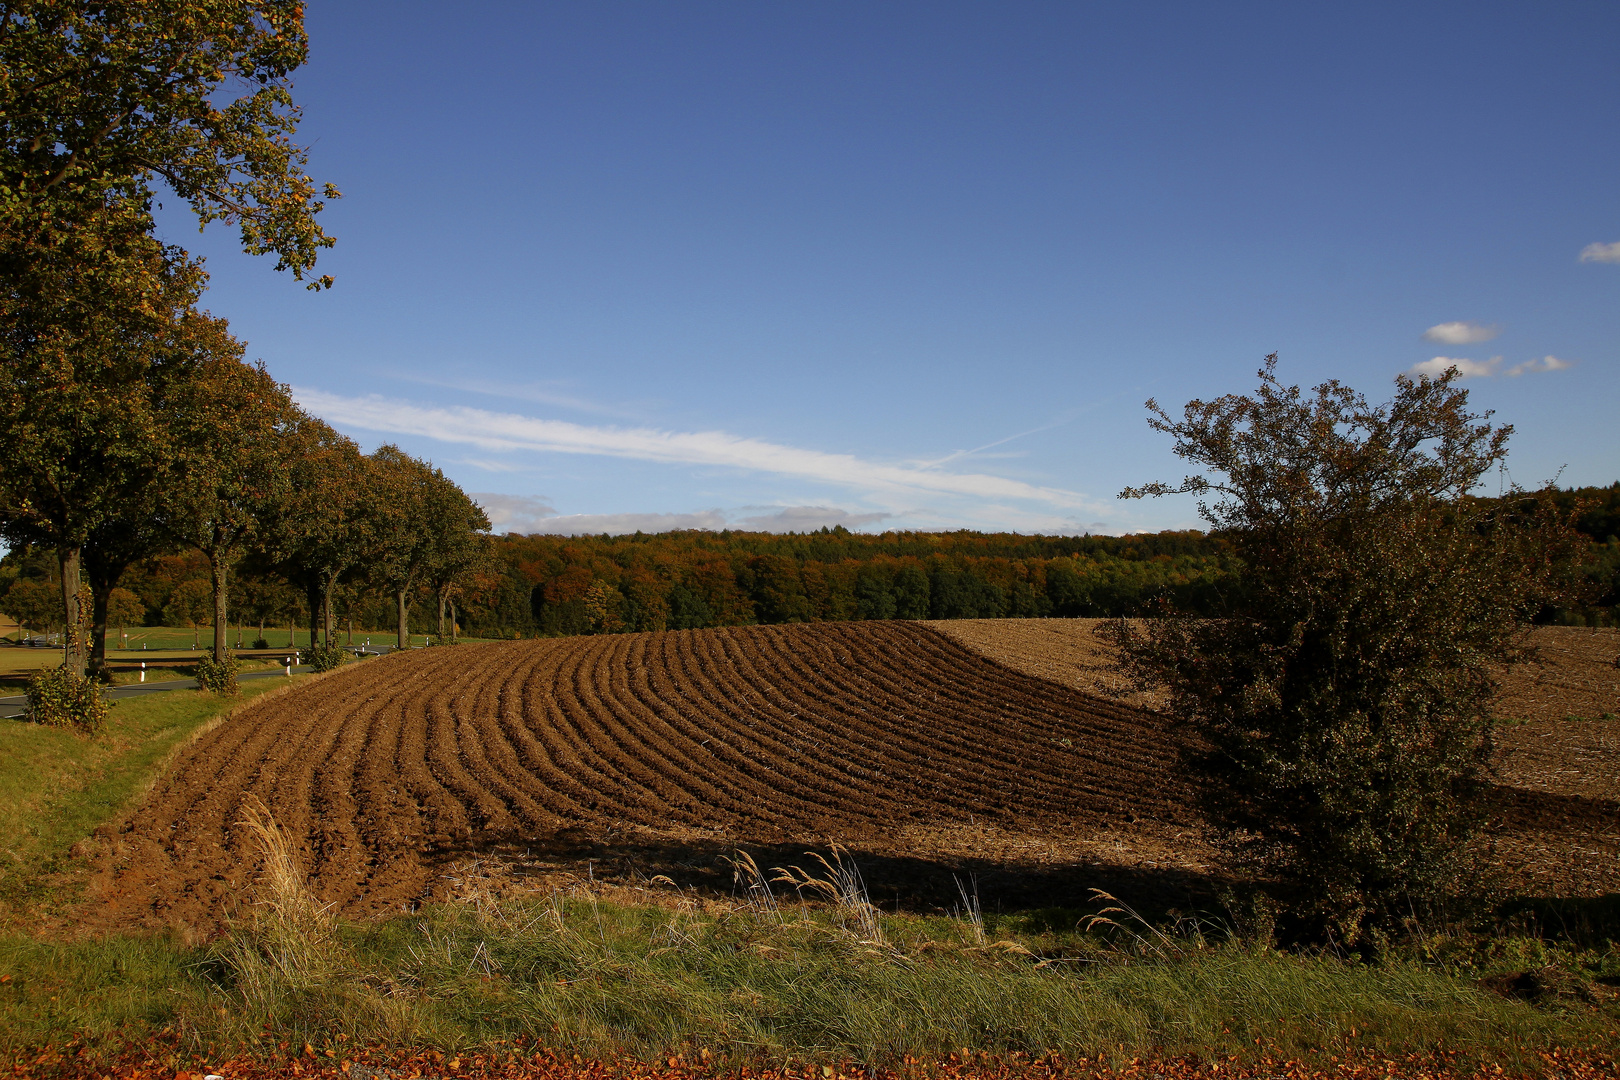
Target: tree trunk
72, 646
453, 626
222, 629
100, 593
103, 577
314, 593
404, 622
441, 615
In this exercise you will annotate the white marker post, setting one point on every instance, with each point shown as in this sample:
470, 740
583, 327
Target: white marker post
143, 671
289, 666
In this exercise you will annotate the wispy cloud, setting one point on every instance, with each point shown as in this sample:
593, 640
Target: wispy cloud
1604, 253
1469, 369
1544, 363
530, 514
1460, 333
539, 393
896, 484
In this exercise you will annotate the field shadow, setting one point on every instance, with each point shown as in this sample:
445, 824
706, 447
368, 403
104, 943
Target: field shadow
916, 883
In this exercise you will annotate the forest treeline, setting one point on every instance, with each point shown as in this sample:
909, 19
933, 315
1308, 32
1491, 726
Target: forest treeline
695, 579
523, 586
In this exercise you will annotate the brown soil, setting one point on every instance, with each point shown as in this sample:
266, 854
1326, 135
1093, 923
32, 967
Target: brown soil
634, 755
624, 757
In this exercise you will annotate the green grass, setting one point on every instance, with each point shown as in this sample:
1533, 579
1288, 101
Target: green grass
602, 979
57, 785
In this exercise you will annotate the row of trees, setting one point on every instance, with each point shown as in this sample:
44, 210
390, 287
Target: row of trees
130, 421
224, 463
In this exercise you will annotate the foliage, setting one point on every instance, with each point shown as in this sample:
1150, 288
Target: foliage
34, 604
219, 675
98, 99
225, 420
1338, 707
322, 657
424, 530
124, 608
97, 102
189, 604
61, 697
685, 580
317, 532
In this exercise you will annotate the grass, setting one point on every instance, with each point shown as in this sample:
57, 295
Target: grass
57, 785
585, 975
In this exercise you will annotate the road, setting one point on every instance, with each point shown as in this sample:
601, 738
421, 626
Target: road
17, 704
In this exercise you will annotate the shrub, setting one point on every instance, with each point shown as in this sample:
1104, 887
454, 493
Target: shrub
60, 698
260, 643
321, 657
219, 676
1340, 707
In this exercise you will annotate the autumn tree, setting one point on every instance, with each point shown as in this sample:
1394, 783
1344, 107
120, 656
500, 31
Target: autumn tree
128, 533
401, 546
124, 607
228, 421
424, 531
1338, 710
99, 103
458, 544
320, 527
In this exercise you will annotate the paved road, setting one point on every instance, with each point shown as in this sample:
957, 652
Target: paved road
17, 704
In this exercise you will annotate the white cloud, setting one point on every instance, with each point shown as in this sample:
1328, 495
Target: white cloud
895, 485
1460, 333
1469, 369
1609, 253
1545, 363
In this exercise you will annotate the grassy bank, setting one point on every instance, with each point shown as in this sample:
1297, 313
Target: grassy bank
598, 978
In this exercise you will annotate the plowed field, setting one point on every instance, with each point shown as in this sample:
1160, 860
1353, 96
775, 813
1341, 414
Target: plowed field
629, 756
667, 748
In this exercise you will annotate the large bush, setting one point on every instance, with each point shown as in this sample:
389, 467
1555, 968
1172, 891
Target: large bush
1338, 709
322, 657
219, 676
62, 698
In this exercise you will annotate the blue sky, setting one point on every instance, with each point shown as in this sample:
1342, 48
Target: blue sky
918, 266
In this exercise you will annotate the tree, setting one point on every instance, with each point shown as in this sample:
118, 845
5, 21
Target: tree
318, 529
123, 608
227, 422
127, 534
458, 543
1339, 708
34, 604
84, 351
402, 527
191, 603
96, 101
